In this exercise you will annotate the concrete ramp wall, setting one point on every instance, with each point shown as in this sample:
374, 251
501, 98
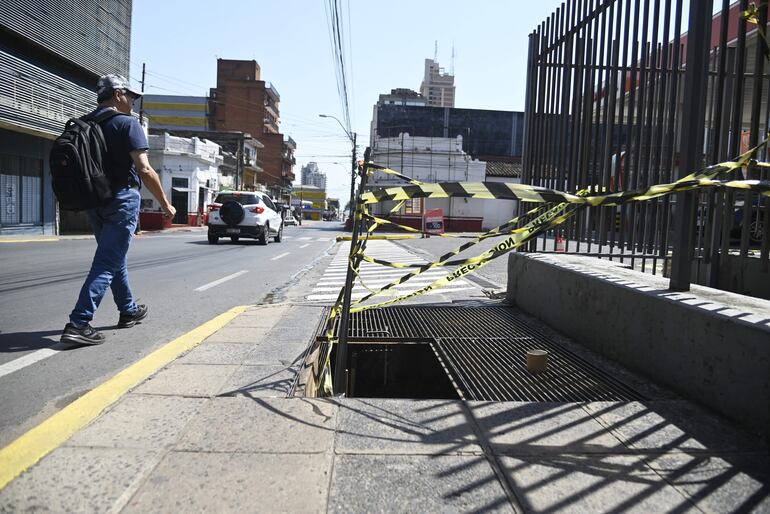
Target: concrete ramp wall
710, 346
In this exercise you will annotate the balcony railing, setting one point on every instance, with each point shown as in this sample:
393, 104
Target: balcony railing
270, 88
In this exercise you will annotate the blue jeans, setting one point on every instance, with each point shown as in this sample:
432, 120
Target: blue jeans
113, 226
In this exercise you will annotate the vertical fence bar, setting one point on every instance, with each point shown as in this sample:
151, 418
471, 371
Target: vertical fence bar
658, 161
717, 150
698, 36
668, 149
749, 213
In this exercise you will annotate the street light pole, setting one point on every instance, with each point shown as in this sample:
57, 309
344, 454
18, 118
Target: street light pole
353, 166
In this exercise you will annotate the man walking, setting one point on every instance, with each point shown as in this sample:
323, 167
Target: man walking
114, 224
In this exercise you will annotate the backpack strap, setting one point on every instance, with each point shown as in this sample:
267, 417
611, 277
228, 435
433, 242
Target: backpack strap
103, 116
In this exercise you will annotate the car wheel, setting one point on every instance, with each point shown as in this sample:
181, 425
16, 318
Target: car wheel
264, 238
234, 239
279, 235
213, 239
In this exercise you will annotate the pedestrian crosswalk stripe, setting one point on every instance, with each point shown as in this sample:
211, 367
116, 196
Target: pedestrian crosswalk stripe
375, 276
358, 295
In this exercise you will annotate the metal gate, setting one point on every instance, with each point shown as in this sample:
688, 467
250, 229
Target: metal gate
624, 94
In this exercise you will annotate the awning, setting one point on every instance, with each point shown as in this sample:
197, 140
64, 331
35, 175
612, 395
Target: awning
182, 189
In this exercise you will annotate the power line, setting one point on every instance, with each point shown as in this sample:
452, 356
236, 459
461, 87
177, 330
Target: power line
337, 40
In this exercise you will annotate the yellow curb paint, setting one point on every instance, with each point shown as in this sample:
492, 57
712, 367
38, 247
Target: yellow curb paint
29, 448
41, 240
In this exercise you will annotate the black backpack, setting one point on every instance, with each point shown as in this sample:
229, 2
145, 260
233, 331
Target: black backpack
77, 161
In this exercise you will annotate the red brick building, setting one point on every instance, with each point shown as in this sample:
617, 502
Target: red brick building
242, 101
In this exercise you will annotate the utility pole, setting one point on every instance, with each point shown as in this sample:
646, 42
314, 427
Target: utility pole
341, 375
353, 170
141, 102
239, 163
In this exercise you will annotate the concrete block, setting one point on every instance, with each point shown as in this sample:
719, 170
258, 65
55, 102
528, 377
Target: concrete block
202, 380
140, 421
217, 353
721, 360
398, 483
292, 335
235, 482
658, 426
260, 381
262, 425
77, 480
718, 483
300, 316
591, 483
519, 428
233, 334
260, 317
384, 426
276, 353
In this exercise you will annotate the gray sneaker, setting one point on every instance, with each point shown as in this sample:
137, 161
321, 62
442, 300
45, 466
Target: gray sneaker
81, 335
129, 320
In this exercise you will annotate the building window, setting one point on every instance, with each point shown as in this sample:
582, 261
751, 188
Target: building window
21, 190
413, 206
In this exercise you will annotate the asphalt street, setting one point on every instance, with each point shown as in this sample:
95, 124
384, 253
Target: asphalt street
184, 281
494, 274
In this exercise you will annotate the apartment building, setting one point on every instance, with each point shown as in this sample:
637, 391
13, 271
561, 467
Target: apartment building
46, 77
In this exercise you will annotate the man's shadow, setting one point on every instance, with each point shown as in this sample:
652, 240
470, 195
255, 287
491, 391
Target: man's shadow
14, 342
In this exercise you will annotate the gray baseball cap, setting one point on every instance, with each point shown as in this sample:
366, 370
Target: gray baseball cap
113, 82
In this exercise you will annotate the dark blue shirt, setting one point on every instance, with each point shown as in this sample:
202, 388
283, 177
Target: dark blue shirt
122, 134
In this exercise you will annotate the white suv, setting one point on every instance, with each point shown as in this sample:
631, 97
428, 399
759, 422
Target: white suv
237, 214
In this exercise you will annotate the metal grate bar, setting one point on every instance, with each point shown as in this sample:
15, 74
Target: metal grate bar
495, 369
483, 350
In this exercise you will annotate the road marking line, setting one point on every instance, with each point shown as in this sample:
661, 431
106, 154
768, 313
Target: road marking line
284, 254
32, 446
305, 238
23, 362
220, 281
46, 240
305, 245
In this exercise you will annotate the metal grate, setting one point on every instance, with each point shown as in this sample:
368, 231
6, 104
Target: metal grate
496, 369
483, 350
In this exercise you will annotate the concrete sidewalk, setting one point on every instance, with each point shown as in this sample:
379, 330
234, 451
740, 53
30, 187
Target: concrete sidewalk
213, 431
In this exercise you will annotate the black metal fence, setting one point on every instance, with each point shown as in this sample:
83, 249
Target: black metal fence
623, 94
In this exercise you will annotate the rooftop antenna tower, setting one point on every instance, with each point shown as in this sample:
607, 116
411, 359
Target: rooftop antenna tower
435, 50
452, 63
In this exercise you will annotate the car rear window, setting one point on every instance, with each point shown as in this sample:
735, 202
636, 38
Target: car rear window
240, 198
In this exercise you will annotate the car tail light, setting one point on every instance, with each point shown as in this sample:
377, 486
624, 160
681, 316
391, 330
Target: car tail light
258, 209
213, 207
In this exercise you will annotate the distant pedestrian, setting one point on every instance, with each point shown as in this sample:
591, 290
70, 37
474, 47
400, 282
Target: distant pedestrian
114, 224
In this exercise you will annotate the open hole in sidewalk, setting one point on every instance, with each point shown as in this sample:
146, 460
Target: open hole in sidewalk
397, 370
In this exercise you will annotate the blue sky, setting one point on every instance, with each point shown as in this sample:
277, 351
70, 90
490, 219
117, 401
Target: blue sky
180, 42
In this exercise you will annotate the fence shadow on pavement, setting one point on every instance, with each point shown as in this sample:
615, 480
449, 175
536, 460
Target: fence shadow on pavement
664, 456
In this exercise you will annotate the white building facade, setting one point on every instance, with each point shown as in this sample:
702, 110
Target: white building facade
434, 159
189, 174
312, 176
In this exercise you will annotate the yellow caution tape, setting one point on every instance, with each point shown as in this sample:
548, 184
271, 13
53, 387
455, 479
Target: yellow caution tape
545, 221
556, 207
